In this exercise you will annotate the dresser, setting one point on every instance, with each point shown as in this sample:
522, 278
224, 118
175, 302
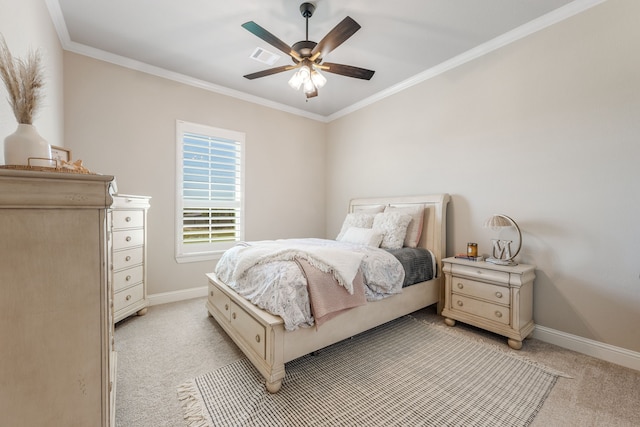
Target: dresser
128, 250
56, 348
497, 298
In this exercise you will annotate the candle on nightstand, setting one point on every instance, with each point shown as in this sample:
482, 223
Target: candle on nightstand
472, 250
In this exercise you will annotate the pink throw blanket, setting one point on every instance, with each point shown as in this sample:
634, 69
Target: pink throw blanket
326, 296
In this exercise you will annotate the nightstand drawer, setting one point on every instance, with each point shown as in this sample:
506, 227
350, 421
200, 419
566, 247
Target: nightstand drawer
480, 273
128, 277
494, 293
127, 238
493, 312
128, 258
127, 219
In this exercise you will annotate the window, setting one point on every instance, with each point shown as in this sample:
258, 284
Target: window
209, 186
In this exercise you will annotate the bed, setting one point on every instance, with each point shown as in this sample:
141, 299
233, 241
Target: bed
266, 342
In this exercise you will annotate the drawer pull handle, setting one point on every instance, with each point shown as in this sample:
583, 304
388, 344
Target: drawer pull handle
498, 314
460, 286
226, 307
128, 219
257, 338
127, 278
233, 315
211, 293
499, 294
128, 297
459, 303
128, 238
128, 258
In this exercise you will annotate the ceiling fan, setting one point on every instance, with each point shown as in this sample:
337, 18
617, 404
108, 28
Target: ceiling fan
308, 55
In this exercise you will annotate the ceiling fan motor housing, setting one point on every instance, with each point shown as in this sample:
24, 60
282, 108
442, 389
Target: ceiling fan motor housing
304, 48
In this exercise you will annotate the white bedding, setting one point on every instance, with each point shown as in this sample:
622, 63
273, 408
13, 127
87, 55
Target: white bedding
277, 285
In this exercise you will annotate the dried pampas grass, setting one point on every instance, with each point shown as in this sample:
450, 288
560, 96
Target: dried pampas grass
23, 80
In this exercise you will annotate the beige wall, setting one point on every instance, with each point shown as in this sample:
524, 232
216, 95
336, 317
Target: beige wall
28, 26
545, 130
122, 122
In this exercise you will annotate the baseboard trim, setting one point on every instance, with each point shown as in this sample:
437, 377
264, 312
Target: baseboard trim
174, 296
606, 352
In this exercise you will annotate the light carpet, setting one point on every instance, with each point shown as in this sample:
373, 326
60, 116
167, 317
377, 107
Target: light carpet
406, 372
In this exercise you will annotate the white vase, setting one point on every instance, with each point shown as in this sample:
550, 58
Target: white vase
24, 144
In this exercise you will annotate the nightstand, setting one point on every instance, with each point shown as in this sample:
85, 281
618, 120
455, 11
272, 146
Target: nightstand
494, 297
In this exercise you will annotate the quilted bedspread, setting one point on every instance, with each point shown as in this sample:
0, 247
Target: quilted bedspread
275, 282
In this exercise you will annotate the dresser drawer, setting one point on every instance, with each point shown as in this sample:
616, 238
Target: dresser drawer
494, 293
127, 219
127, 238
220, 301
480, 273
128, 258
248, 327
492, 312
128, 277
127, 297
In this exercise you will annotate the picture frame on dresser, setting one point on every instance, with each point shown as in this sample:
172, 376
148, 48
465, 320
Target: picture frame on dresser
60, 153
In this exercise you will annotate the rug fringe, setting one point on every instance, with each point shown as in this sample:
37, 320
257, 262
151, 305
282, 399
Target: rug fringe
192, 407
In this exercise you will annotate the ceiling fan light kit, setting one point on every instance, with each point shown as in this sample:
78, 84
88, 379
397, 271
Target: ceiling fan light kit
308, 55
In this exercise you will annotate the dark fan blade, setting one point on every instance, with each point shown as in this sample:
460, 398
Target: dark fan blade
265, 35
347, 70
270, 71
335, 38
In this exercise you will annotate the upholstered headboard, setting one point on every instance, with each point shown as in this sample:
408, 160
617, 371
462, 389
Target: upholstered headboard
433, 235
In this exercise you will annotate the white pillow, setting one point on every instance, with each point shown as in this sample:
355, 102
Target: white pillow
414, 230
356, 219
362, 236
393, 226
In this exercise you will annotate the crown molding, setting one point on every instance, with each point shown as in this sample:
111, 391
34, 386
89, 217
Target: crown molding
551, 18
512, 36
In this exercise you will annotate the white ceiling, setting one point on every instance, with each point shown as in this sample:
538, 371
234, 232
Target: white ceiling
202, 42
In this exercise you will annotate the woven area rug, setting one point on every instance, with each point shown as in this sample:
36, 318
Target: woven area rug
405, 373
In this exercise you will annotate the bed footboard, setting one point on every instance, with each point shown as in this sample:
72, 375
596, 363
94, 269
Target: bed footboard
262, 338
260, 335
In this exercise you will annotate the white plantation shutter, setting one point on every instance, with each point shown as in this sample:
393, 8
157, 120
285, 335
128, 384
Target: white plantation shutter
209, 205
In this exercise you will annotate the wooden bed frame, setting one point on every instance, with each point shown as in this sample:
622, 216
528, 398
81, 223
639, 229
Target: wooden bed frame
262, 336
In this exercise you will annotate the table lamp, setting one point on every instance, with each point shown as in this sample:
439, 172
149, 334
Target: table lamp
501, 252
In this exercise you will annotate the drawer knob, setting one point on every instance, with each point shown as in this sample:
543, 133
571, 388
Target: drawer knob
499, 294
257, 338
479, 271
128, 258
460, 286
128, 238
128, 297
127, 278
498, 314
128, 219
226, 307
233, 315
459, 303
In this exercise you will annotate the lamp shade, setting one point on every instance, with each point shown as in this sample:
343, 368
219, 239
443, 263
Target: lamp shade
496, 222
